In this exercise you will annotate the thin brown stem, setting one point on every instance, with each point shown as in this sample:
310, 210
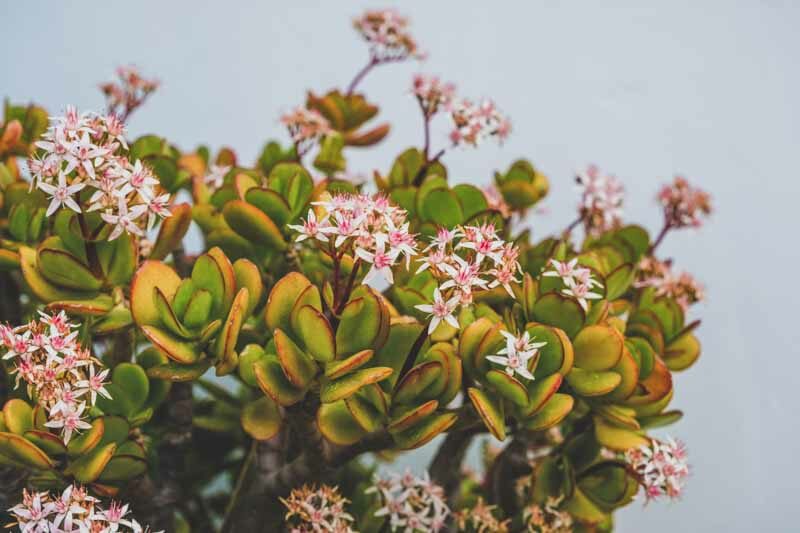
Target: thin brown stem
445, 468
659, 238
574, 224
348, 289
373, 61
425, 166
411, 358
91, 249
427, 128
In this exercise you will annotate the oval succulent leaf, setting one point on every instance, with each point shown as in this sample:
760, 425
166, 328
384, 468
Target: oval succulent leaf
491, 411
337, 369
171, 346
151, 275
66, 270
272, 381
590, 383
316, 334
412, 385
24, 452
299, 368
422, 433
508, 387
337, 424
598, 347
282, 298
261, 419
554, 411
348, 385
253, 224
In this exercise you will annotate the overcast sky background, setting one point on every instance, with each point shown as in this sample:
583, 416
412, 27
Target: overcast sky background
707, 89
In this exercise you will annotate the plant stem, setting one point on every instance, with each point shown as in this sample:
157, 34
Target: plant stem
308, 466
156, 499
427, 128
661, 235
349, 287
425, 166
445, 468
248, 508
572, 226
373, 61
413, 352
509, 465
91, 249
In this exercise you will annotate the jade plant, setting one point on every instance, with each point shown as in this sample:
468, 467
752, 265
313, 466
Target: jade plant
265, 374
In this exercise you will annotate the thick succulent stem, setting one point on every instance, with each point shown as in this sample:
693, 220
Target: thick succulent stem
308, 466
501, 478
155, 500
445, 468
249, 509
10, 309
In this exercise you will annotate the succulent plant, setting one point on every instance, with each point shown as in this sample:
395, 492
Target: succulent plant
341, 321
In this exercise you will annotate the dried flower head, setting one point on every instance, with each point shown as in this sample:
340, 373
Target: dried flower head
306, 127
73, 510
480, 518
684, 205
387, 35
432, 93
683, 288
602, 195
578, 281
547, 518
368, 227
316, 509
661, 467
128, 91
59, 373
474, 123
81, 151
411, 503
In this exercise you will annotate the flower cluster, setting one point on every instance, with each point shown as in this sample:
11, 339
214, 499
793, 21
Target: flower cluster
432, 93
81, 151
72, 510
306, 127
370, 227
474, 123
684, 205
313, 509
386, 32
547, 518
661, 467
517, 355
57, 370
465, 259
579, 281
600, 207
682, 287
480, 518
128, 92
412, 503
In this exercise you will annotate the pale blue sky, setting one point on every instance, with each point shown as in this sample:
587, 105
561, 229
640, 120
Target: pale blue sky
708, 89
